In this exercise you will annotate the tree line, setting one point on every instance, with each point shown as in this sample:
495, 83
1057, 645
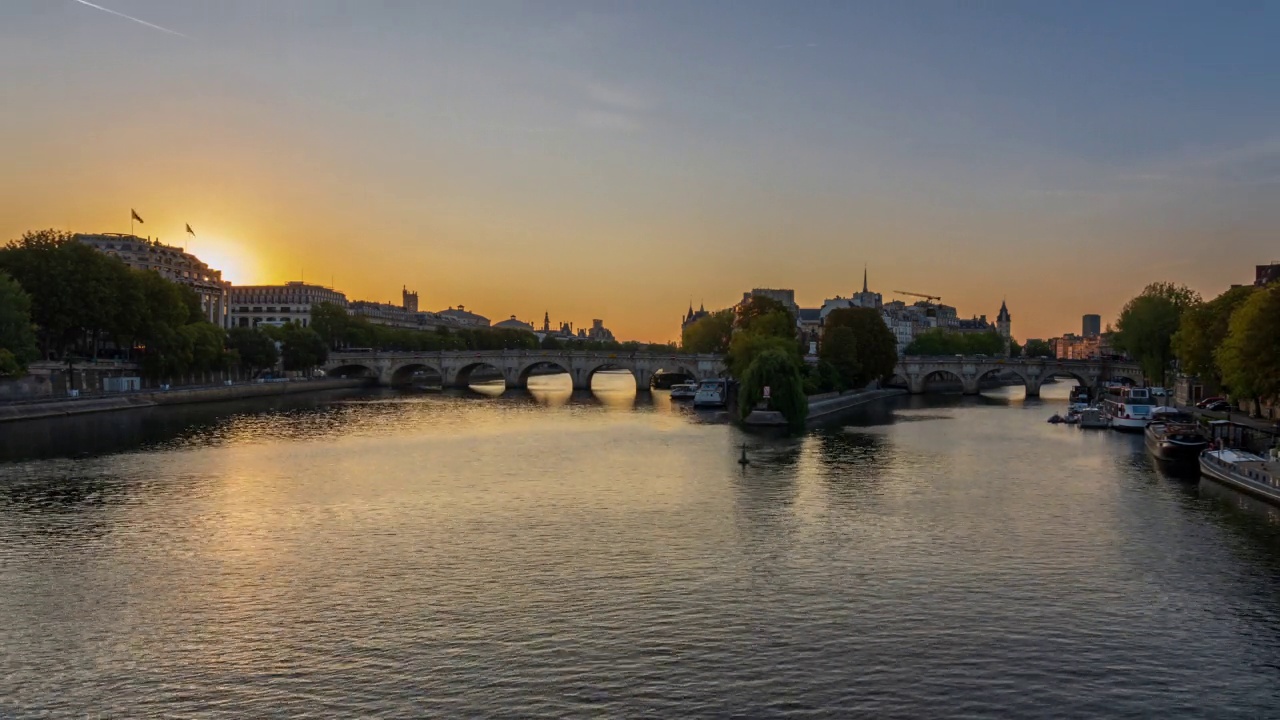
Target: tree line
940, 341
762, 348
63, 300
1231, 341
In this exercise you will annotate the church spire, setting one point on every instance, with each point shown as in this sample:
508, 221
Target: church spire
864, 278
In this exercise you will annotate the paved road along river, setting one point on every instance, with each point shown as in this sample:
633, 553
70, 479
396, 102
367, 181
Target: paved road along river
549, 555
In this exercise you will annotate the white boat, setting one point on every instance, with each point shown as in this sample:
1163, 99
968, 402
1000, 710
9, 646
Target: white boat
711, 393
1243, 471
684, 391
1129, 410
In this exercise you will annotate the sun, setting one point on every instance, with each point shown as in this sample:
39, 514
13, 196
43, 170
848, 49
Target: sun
238, 265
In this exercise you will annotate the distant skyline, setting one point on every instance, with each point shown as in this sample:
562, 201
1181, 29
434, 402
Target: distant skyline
615, 160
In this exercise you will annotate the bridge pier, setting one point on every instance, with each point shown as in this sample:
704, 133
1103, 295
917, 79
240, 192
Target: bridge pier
514, 380
915, 383
644, 380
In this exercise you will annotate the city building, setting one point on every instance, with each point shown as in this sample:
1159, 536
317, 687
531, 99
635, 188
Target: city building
690, 317
1004, 322
977, 324
1091, 326
1267, 274
599, 332
786, 297
172, 263
409, 300
866, 298
810, 322
1074, 347
512, 323
387, 314
254, 305
463, 317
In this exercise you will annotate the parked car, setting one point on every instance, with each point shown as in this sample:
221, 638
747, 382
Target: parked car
1218, 406
1158, 392
1209, 401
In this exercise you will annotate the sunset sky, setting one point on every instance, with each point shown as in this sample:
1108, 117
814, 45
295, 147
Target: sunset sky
616, 160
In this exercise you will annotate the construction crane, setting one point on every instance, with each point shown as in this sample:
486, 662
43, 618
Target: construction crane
926, 297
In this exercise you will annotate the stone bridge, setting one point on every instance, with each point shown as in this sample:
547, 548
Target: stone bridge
915, 372
456, 367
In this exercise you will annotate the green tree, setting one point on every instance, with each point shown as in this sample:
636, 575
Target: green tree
301, 348
70, 285
877, 348
1202, 330
1181, 296
208, 347
255, 350
169, 351
1037, 349
9, 366
751, 310
1146, 326
1249, 358
330, 321
839, 350
991, 344
17, 336
746, 346
1015, 350
778, 370
709, 334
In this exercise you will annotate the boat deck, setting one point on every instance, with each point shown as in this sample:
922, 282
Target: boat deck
1244, 470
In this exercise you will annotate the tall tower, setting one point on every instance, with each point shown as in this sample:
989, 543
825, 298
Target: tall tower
864, 278
1004, 322
546, 321
408, 300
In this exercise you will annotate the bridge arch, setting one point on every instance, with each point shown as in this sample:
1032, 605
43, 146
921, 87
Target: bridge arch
944, 374
985, 373
463, 377
642, 378
352, 370
404, 374
527, 369
680, 369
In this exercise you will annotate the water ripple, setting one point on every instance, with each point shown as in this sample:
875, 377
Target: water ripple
517, 557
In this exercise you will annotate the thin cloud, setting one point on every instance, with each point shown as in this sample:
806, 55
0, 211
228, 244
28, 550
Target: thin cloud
134, 19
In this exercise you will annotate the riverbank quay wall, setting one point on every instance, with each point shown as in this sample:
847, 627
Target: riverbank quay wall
823, 406
183, 396
52, 380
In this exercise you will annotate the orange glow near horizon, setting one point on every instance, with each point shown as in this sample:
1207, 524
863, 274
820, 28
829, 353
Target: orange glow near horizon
238, 266
544, 159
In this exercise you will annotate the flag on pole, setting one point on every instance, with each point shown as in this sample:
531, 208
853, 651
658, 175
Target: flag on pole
134, 214
190, 232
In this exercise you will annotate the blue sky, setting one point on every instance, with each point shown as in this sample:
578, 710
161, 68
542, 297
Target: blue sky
617, 159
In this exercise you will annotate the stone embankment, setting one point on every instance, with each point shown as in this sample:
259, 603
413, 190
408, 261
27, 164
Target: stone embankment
824, 405
177, 396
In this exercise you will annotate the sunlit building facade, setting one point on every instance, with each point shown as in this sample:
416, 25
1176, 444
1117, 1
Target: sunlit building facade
254, 305
172, 263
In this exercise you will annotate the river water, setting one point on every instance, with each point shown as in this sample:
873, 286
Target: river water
544, 554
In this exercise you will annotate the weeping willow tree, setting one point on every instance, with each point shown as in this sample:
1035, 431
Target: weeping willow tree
780, 372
